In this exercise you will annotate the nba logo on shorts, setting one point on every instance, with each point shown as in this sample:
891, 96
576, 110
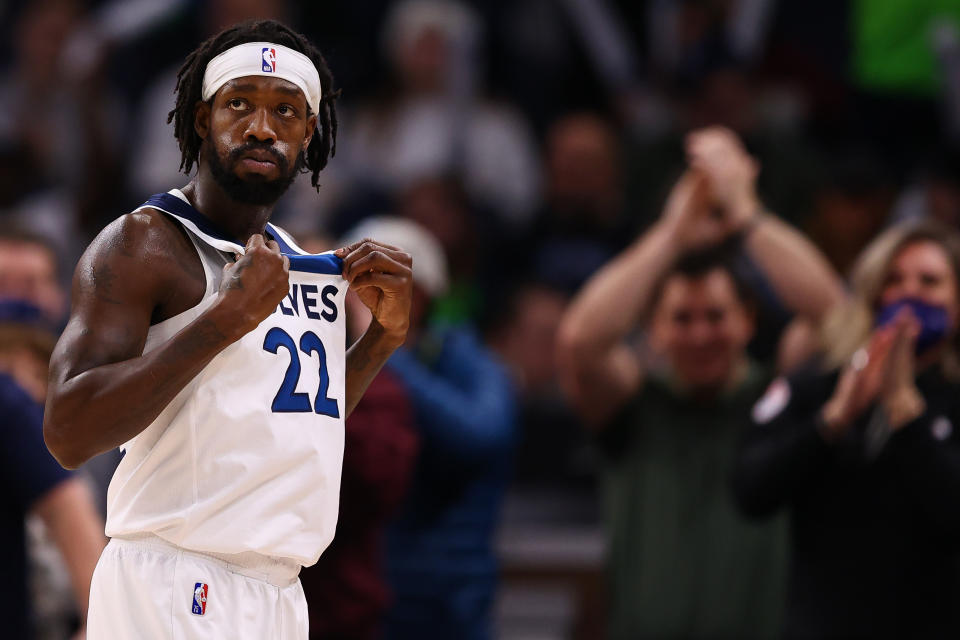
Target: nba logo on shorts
269, 57
200, 598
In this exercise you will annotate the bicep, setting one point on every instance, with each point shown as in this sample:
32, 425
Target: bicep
114, 294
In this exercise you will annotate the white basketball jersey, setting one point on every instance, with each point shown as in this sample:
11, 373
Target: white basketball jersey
247, 457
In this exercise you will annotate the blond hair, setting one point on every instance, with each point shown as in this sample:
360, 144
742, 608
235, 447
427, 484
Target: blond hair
848, 326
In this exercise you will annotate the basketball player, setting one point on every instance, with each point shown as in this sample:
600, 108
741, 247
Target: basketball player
211, 350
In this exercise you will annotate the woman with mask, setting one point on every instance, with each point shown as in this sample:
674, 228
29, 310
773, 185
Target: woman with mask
863, 449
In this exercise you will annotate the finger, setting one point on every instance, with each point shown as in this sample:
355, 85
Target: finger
880, 337
386, 282
877, 353
286, 264
273, 246
376, 261
904, 337
357, 251
875, 371
376, 245
880, 348
342, 252
256, 240
379, 253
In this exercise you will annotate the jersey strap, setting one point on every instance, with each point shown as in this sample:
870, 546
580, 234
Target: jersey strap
174, 205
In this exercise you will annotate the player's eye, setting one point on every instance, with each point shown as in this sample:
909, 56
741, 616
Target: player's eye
286, 110
235, 103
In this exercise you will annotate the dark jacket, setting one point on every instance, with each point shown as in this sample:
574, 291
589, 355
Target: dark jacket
875, 534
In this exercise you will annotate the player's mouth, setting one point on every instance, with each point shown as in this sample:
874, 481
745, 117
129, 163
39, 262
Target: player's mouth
260, 166
258, 161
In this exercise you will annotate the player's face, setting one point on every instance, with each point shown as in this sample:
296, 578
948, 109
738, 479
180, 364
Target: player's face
922, 270
258, 129
702, 328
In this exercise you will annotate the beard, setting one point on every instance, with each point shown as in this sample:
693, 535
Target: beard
255, 190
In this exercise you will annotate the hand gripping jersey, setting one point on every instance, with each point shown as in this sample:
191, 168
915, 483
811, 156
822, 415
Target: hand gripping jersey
247, 457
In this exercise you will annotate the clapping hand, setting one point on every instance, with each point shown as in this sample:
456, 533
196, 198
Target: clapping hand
882, 371
731, 173
901, 399
716, 197
687, 214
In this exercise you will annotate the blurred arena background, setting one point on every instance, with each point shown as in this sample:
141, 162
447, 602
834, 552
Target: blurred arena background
535, 139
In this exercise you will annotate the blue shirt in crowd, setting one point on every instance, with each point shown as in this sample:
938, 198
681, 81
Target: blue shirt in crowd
28, 471
440, 558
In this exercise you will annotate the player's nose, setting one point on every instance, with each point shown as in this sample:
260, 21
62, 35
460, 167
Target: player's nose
259, 127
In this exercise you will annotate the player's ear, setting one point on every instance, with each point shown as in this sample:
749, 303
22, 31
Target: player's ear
201, 119
311, 127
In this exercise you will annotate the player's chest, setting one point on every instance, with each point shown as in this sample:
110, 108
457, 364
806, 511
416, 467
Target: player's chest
298, 351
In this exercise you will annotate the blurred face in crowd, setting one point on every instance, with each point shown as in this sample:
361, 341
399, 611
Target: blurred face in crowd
582, 163
725, 98
41, 36
702, 328
29, 272
943, 201
422, 61
528, 342
923, 270
439, 207
28, 369
224, 13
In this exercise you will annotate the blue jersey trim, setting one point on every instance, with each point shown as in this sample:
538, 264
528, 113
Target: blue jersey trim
172, 204
324, 263
176, 206
284, 246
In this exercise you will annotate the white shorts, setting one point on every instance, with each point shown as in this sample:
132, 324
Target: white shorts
148, 589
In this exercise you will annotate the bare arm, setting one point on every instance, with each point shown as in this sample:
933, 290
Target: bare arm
103, 389
799, 273
598, 369
382, 277
365, 358
76, 528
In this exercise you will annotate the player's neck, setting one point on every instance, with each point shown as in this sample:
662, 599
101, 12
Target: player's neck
238, 219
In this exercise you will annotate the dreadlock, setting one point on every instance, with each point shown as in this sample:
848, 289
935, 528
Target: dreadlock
322, 146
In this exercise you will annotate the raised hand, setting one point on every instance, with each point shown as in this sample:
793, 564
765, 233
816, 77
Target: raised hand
731, 172
254, 285
382, 277
861, 383
688, 215
901, 399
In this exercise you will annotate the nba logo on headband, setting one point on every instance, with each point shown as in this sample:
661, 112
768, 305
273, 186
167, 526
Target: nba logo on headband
241, 60
269, 57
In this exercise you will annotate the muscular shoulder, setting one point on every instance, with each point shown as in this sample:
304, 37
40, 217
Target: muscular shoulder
147, 254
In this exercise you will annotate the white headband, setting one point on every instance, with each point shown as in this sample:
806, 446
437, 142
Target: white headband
263, 59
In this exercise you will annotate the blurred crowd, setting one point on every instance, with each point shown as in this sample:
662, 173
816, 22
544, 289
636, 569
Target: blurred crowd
687, 272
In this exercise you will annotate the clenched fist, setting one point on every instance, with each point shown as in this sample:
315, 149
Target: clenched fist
254, 285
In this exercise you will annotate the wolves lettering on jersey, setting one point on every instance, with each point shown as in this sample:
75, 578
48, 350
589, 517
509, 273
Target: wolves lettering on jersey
247, 458
307, 294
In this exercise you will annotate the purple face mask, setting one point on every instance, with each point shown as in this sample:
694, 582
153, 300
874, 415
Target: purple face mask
933, 320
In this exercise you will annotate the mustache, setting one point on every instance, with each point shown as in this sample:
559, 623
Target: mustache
277, 157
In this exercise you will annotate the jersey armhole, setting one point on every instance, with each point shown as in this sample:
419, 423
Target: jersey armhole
207, 271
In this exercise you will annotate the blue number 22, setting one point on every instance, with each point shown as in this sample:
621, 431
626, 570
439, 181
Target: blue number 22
288, 400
